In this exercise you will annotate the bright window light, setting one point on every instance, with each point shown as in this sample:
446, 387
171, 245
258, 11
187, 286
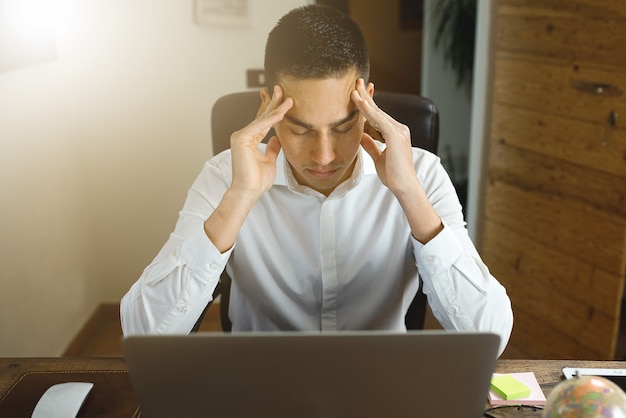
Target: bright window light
26, 32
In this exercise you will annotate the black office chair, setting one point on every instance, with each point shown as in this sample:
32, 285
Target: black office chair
234, 111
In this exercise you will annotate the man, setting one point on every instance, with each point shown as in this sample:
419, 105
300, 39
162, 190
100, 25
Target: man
324, 228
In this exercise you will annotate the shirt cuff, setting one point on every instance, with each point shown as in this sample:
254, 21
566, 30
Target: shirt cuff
439, 253
201, 256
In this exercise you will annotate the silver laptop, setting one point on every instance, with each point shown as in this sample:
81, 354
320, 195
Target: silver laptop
347, 374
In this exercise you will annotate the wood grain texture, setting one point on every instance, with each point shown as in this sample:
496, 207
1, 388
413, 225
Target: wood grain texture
549, 373
570, 32
555, 204
572, 141
552, 88
569, 226
557, 178
557, 294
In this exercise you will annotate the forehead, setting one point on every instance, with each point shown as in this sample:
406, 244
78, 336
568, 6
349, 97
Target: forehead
320, 102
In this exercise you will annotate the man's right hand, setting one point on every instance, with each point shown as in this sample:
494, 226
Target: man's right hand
253, 171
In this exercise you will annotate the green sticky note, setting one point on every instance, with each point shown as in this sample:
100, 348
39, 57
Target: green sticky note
508, 387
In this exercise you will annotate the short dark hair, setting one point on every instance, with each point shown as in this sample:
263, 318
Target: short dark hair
315, 41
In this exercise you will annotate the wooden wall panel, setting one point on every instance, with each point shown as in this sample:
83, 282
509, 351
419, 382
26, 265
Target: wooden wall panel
550, 88
567, 275
547, 286
532, 170
569, 226
606, 9
555, 202
541, 338
566, 34
571, 140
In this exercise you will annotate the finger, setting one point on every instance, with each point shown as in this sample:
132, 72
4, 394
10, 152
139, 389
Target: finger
369, 145
263, 93
275, 100
276, 97
369, 129
361, 88
274, 112
258, 128
273, 148
366, 105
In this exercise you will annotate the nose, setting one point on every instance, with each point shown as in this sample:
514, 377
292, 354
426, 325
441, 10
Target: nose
323, 151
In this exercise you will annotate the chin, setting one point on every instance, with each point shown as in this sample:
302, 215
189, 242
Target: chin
324, 187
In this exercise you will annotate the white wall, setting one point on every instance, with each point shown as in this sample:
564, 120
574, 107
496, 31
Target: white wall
481, 116
98, 149
439, 84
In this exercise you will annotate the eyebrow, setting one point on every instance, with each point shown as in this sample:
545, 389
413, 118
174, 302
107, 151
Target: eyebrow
340, 122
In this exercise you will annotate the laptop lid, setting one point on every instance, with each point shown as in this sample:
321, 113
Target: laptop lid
295, 374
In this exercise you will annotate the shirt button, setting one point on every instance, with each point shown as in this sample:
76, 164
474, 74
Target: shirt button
429, 258
183, 308
452, 310
213, 266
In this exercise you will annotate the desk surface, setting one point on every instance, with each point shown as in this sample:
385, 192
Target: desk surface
24, 380
548, 372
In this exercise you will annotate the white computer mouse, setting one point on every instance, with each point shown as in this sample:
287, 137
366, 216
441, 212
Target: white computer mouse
62, 400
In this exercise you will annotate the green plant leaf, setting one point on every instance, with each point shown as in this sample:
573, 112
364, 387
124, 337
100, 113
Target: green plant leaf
456, 32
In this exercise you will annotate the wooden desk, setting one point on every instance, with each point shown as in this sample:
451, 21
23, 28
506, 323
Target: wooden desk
548, 372
24, 380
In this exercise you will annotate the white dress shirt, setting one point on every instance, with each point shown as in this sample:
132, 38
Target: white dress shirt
303, 261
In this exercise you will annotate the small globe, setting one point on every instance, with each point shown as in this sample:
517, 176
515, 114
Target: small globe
586, 396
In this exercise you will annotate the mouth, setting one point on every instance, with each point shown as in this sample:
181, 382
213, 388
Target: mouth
323, 174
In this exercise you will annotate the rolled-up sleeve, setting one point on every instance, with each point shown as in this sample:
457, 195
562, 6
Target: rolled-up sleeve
174, 289
461, 291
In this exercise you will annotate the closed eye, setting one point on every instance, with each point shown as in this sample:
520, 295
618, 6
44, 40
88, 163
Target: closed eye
343, 126
343, 129
299, 133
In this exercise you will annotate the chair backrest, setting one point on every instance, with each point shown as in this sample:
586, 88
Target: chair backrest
234, 111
